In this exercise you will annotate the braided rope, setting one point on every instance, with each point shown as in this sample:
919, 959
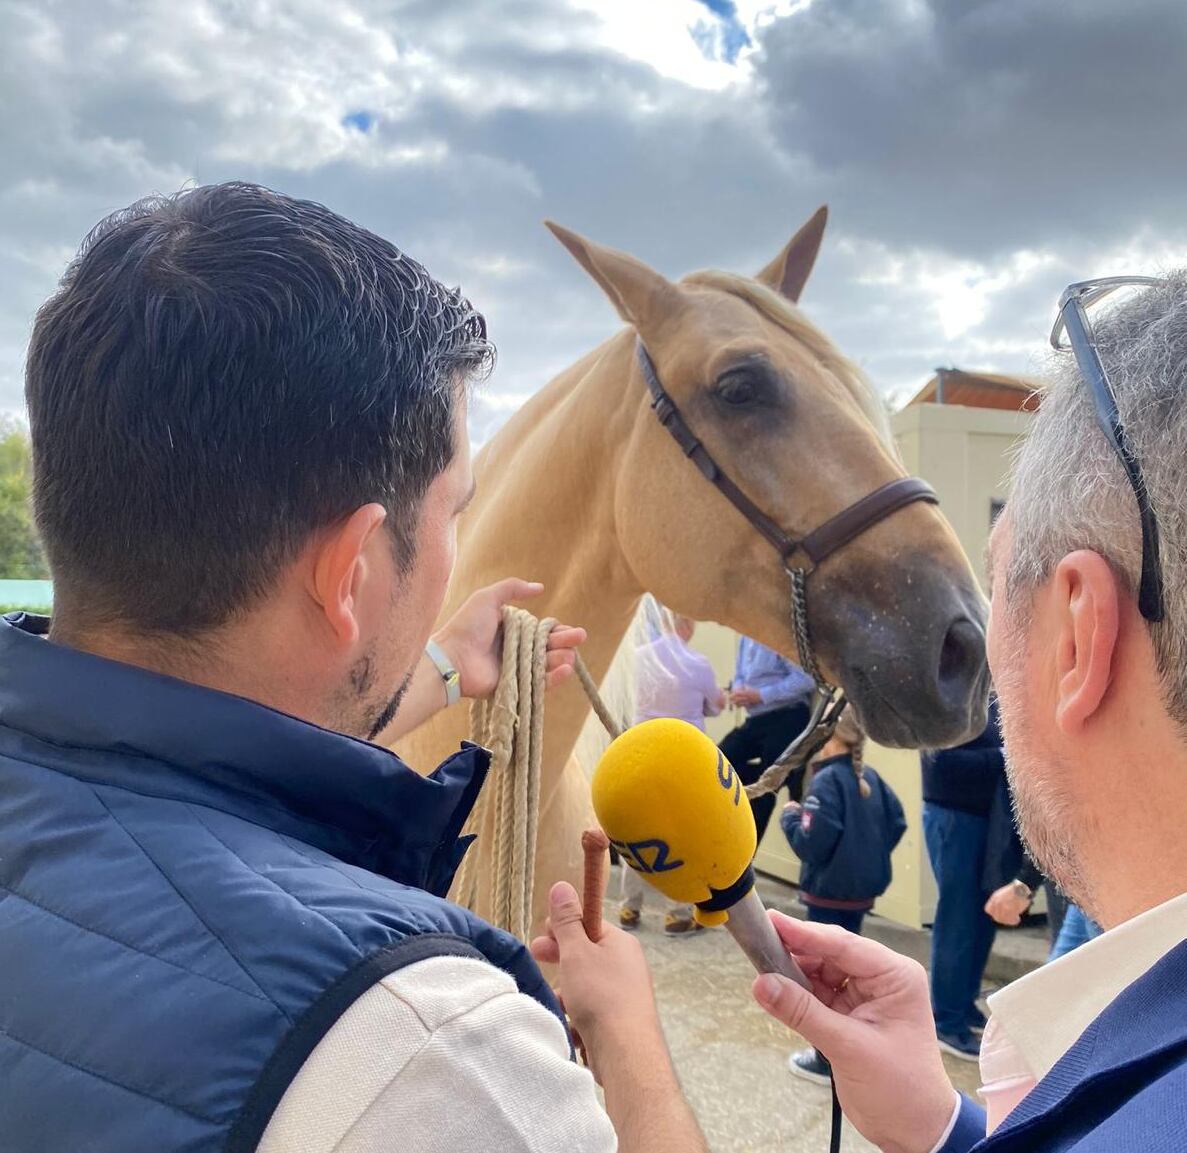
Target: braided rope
511, 726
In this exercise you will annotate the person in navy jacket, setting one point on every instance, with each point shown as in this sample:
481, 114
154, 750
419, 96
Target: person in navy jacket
843, 833
1088, 650
223, 915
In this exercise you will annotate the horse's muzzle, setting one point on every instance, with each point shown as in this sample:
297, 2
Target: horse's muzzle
917, 674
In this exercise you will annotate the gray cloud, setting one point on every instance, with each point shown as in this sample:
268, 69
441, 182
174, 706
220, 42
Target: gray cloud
982, 127
977, 155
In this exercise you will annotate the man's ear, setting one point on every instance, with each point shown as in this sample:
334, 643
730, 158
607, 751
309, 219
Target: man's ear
340, 567
1086, 595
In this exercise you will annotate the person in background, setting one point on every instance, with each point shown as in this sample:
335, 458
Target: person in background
776, 695
959, 788
844, 833
674, 680
1010, 877
1077, 929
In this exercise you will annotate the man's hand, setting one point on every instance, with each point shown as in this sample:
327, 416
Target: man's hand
744, 697
869, 1013
606, 985
1007, 904
794, 808
472, 638
607, 993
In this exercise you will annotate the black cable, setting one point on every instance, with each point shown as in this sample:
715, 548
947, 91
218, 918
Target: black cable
834, 1137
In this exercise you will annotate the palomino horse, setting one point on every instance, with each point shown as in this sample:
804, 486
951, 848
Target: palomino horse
585, 491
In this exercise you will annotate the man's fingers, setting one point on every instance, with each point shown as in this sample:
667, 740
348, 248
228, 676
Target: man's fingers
566, 637
514, 589
546, 951
558, 676
855, 956
800, 1010
564, 914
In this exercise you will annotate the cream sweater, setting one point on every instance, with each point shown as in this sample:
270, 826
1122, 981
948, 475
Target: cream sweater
445, 1056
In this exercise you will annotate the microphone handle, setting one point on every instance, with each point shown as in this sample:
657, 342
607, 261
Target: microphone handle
750, 926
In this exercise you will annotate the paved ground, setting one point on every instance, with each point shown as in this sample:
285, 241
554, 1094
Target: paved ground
730, 1056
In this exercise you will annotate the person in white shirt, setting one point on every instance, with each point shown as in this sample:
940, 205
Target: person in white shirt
1088, 648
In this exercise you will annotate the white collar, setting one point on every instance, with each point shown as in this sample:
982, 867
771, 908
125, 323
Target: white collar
1044, 1013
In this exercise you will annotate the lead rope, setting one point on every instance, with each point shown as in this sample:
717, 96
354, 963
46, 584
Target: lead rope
511, 726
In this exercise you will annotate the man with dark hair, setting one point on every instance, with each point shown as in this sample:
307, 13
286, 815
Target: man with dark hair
224, 924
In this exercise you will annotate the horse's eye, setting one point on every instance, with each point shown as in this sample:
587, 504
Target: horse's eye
739, 388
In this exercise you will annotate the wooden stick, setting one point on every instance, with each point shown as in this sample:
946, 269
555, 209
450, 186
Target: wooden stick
596, 845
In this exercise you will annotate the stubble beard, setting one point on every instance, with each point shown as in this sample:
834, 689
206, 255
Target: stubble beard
368, 718
1044, 813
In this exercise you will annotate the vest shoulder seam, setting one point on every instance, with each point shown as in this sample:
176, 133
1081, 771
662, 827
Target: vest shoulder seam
275, 884
130, 947
188, 903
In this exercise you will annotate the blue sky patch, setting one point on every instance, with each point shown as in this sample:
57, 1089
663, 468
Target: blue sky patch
728, 38
361, 121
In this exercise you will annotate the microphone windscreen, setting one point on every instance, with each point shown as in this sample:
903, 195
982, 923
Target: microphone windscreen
677, 813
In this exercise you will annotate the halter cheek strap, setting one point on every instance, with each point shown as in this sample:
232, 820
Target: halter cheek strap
817, 545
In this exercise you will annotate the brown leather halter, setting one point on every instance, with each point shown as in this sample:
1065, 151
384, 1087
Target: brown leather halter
816, 546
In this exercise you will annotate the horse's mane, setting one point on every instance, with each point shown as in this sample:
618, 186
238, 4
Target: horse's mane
782, 312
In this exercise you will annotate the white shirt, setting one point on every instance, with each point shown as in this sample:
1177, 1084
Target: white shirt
444, 1056
1038, 1018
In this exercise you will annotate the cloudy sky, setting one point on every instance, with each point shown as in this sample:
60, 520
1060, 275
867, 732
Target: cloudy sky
976, 154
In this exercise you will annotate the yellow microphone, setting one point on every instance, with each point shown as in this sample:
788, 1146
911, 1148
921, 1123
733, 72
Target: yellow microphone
677, 813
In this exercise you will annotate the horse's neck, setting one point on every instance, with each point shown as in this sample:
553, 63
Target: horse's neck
545, 505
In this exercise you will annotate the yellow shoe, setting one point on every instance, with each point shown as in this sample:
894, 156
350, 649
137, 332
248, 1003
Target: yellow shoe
628, 918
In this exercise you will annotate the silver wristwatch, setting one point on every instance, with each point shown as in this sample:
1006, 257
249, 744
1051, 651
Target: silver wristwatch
450, 675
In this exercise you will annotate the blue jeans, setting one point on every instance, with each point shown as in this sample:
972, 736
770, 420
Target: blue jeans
962, 933
1074, 932
850, 919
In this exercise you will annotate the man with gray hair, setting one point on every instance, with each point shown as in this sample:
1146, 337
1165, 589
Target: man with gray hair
1088, 646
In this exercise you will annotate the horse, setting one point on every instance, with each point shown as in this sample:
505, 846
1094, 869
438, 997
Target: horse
585, 491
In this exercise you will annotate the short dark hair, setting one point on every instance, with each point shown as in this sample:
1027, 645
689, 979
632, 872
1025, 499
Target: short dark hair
220, 374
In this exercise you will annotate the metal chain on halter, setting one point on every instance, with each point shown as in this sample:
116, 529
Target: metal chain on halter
799, 619
827, 701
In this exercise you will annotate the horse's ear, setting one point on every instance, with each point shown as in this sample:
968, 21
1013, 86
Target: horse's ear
638, 293
788, 272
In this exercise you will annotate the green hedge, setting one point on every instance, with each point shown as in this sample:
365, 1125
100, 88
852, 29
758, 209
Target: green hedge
41, 610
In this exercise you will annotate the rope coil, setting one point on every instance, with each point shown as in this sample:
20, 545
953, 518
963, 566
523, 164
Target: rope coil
511, 726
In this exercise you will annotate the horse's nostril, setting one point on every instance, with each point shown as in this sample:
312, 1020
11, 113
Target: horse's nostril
962, 656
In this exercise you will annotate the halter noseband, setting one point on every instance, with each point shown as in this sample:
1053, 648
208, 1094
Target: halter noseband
816, 546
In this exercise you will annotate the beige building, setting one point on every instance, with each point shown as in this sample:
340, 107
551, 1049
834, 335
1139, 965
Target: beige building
957, 433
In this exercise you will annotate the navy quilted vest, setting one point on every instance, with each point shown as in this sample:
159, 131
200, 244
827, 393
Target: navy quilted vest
193, 888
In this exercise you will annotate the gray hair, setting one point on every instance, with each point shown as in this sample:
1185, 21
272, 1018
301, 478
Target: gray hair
1070, 491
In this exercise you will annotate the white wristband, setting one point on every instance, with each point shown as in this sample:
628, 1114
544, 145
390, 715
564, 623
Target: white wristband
449, 675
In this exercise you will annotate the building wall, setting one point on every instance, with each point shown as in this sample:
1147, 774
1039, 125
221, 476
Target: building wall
964, 453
